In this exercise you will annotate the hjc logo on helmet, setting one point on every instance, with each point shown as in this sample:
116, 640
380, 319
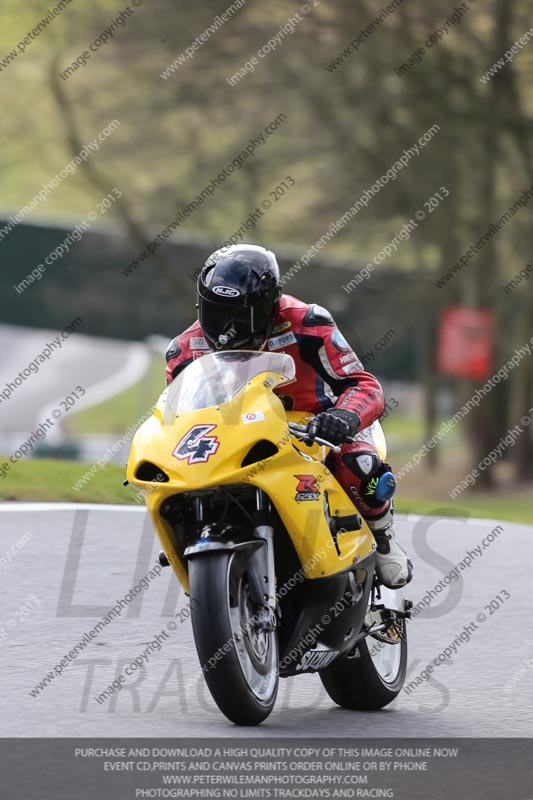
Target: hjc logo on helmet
226, 291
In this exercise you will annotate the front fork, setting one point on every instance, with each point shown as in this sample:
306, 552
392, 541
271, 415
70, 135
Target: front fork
265, 531
260, 551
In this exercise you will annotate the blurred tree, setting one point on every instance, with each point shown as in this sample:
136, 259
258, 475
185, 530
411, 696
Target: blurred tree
344, 128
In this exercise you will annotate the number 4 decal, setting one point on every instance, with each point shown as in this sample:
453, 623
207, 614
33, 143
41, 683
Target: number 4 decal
196, 447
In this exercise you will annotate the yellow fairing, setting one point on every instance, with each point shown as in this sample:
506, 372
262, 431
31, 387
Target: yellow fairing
295, 479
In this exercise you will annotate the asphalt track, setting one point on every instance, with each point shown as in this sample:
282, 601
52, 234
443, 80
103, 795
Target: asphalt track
77, 561
84, 360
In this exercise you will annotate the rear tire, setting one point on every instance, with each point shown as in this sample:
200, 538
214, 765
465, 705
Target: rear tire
371, 679
240, 663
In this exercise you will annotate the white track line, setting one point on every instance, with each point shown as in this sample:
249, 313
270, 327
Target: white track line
14, 506
137, 362
9, 507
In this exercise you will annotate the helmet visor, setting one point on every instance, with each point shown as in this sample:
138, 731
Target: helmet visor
237, 321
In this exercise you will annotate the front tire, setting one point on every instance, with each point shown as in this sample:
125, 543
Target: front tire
240, 662
371, 678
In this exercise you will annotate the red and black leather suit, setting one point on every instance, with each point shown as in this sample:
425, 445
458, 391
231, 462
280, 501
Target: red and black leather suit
328, 375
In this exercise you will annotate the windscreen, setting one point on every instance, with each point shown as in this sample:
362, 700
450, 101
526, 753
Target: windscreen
215, 378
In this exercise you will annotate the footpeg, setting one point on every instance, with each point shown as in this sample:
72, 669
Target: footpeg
407, 606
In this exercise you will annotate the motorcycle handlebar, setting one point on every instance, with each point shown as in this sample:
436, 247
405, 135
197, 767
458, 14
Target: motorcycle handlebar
301, 432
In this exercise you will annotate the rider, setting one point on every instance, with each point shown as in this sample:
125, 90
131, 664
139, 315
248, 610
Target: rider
241, 307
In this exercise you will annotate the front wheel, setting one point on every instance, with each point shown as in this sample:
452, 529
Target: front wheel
372, 676
239, 657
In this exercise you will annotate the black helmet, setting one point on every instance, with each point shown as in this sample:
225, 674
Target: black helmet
238, 291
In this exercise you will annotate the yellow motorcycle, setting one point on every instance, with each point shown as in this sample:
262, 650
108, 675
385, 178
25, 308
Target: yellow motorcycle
278, 564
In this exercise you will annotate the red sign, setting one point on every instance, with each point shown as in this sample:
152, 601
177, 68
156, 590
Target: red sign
465, 343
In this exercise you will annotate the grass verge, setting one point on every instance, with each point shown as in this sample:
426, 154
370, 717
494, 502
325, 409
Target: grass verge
516, 508
52, 480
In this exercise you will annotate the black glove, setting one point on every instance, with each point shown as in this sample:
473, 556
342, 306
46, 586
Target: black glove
335, 426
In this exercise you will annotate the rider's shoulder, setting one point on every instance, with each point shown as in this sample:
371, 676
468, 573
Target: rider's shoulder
304, 315
184, 343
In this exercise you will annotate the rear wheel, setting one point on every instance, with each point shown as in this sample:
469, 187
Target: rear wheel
372, 676
238, 655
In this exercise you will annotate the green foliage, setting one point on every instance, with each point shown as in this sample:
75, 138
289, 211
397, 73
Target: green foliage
344, 129
51, 480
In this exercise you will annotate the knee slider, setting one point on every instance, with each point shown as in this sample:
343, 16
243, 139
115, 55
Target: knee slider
364, 464
378, 484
